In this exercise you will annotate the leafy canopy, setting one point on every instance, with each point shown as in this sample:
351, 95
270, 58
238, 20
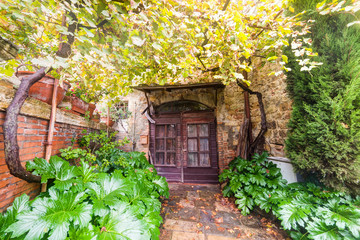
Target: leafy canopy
119, 43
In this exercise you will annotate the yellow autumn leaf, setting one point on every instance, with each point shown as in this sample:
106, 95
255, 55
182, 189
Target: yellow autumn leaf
272, 58
291, 9
284, 58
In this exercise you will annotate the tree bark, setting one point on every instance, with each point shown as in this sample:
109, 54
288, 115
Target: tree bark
12, 157
254, 145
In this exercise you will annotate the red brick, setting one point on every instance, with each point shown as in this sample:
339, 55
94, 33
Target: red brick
4, 168
21, 119
27, 157
6, 203
30, 126
3, 183
32, 121
24, 125
40, 155
43, 122
43, 132
34, 138
59, 138
22, 138
2, 115
20, 130
30, 150
4, 176
31, 144
30, 132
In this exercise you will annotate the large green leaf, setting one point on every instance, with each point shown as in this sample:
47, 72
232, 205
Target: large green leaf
161, 185
245, 203
20, 205
42, 168
320, 231
263, 201
343, 216
107, 191
293, 215
56, 168
121, 224
52, 215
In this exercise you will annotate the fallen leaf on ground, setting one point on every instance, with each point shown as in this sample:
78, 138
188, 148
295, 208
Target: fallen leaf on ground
219, 220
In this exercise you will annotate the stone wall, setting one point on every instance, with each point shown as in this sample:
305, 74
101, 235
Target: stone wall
229, 111
33, 123
278, 107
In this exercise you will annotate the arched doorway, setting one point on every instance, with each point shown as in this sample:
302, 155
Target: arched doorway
183, 142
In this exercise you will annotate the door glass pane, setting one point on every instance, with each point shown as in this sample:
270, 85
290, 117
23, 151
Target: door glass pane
192, 145
204, 130
171, 131
160, 144
159, 158
204, 159
170, 158
170, 144
192, 130
192, 159
160, 131
204, 144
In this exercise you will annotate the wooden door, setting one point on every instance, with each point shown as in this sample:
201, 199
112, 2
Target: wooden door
183, 147
200, 164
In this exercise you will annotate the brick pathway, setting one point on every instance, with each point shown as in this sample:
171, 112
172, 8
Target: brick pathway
199, 212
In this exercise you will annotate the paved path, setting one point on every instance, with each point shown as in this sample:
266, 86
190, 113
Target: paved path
199, 212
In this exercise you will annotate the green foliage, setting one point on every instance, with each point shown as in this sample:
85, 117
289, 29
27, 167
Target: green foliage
324, 137
71, 153
85, 204
145, 41
116, 196
20, 204
307, 211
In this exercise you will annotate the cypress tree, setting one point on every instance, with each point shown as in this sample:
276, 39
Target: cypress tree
324, 129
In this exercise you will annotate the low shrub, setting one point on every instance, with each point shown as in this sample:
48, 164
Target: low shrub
306, 211
87, 203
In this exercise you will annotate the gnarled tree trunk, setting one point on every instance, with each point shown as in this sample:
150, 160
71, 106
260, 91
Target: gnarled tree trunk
10, 128
257, 145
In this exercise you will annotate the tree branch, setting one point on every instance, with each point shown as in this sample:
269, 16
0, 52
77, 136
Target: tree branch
263, 128
276, 16
12, 156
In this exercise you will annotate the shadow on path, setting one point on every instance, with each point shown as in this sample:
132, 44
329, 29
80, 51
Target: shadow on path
199, 212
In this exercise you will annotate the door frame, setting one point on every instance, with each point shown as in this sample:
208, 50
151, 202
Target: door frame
179, 172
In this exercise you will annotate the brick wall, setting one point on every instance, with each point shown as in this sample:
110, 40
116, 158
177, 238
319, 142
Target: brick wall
32, 133
33, 123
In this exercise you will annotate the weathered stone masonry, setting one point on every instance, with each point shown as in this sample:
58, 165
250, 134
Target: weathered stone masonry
229, 111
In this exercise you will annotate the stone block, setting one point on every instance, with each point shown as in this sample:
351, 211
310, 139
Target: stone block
180, 225
187, 236
216, 237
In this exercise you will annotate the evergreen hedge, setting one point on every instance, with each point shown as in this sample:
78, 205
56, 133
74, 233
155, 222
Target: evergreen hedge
324, 137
